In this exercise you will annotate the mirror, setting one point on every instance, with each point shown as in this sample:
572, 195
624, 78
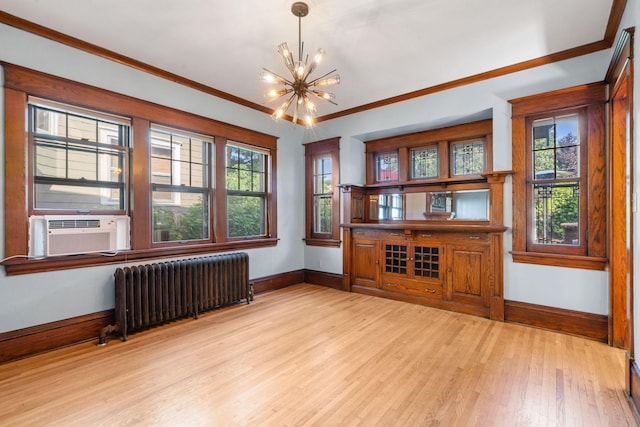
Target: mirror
463, 204
385, 207
470, 205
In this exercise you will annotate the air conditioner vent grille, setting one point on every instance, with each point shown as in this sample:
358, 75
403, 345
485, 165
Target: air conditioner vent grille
59, 224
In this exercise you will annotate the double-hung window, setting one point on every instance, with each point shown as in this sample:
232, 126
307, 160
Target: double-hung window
559, 179
555, 182
180, 184
322, 198
182, 187
79, 157
247, 172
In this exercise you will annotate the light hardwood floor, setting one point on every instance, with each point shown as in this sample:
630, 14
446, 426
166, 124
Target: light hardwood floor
308, 355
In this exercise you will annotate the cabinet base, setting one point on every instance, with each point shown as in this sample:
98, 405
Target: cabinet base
443, 304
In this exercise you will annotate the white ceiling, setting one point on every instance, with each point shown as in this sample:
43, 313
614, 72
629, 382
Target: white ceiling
381, 48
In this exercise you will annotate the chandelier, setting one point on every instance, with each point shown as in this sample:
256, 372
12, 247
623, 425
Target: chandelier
300, 90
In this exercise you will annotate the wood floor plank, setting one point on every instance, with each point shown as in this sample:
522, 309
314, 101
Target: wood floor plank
313, 356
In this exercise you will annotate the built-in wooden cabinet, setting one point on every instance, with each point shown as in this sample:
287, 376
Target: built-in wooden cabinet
448, 266
435, 241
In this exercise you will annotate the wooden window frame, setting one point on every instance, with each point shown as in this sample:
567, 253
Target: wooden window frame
328, 147
591, 99
264, 193
204, 190
21, 82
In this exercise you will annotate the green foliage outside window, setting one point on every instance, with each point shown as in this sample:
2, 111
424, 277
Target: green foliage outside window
246, 192
174, 223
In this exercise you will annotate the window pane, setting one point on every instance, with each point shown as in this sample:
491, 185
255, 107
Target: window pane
543, 134
198, 178
556, 148
543, 164
257, 182
387, 167
180, 216
322, 214
567, 162
82, 128
179, 159
82, 164
110, 167
72, 171
566, 131
468, 158
160, 171
51, 161
50, 122
76, 197
232, 179
245, 216
424, 163
108, 133
390, 206
556, 215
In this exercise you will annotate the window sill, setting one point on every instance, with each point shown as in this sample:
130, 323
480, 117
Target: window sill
323, 242
18, 266
571, 261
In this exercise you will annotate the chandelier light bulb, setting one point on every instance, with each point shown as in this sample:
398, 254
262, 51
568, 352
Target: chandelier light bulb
333, 80
300, 84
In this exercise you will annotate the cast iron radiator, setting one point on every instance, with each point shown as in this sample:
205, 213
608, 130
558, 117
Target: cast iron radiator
153, 294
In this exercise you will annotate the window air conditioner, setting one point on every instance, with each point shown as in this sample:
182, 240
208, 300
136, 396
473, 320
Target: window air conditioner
71, 235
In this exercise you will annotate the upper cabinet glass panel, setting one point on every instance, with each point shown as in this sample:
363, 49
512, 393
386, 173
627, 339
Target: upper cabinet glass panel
468, 158
386, 167
424, 163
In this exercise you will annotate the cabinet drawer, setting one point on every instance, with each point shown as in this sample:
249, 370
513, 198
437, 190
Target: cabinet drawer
412, 287
363, 233
392, 234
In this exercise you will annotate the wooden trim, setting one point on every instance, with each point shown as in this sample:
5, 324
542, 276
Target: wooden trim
617, 10
78, 94
572, 261
277, 281
461, 132
588, 325
330, 243
16, 229
73, 42
140, 186
498, 72
615, 17
330, 280
621, 54
41, 338
17, 265
572, 97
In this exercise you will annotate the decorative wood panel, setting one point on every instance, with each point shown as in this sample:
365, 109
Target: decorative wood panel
365, 263
594, 326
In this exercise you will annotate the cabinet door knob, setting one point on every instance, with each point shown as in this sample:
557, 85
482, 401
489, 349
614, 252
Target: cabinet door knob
449, 270
377, 261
